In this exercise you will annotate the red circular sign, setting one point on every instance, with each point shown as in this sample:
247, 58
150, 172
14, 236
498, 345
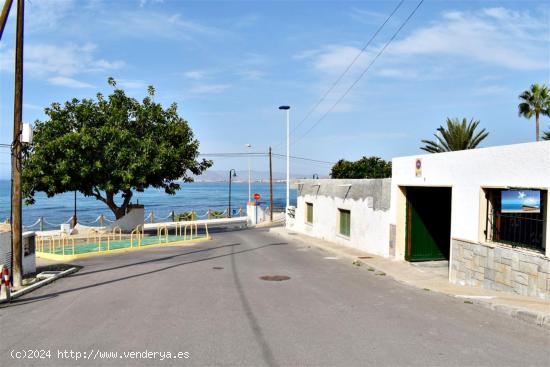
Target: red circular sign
257, 196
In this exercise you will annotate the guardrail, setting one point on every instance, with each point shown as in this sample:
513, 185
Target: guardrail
98, 241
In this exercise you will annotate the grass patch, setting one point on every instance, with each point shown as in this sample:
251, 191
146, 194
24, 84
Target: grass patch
427, 289
468, 302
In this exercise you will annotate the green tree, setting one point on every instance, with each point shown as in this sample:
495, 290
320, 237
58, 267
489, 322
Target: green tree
535, 101
546, 135
366, 167
110, 147
458, 135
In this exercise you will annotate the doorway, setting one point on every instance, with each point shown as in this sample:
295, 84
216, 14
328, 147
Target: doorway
428, 236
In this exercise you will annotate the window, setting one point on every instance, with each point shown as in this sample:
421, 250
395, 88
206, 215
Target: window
513, 221
345, 222
309, 213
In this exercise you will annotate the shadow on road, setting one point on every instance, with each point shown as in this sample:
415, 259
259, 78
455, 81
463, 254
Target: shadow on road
252, 320
44, 297
151, 260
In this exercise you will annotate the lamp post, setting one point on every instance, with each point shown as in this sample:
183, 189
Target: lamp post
232, 173
287, 109
249, 177
75, 221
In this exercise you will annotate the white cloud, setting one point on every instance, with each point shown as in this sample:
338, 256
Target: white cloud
251, 74
367, 16
59, 65
131, 84
196, 74
47, 60
63, 81
142, 3
143, 23
335, 59
209, 88
494, 36
44, 14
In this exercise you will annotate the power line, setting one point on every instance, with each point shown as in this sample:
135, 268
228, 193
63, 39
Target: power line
362, 74
304, 159
260, 154
348, 67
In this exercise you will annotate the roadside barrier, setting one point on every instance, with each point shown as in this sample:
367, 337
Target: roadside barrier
42, 222
100, 241
6, 282
136, 234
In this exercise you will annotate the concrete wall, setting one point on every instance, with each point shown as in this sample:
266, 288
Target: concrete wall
130, 221
468, 173
368, 201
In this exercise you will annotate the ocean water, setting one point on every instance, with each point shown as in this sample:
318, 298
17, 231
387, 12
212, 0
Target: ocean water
199, 196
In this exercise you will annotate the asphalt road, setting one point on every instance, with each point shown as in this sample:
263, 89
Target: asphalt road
208, 301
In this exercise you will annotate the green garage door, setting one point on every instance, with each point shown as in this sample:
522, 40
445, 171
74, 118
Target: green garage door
428, 223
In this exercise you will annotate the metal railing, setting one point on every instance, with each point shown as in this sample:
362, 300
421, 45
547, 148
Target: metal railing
102, 241
43, 223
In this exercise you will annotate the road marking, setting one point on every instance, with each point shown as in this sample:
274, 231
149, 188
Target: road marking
331, 258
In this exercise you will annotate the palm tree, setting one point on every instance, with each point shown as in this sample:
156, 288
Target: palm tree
535, 101
456, 136
546, 135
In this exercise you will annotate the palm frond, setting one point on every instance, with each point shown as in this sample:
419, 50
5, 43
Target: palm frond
457, 135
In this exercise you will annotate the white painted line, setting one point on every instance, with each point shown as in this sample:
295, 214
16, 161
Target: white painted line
331, 258
473, 297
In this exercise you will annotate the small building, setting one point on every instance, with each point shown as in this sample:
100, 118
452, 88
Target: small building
353, 213
28, 250
485, 210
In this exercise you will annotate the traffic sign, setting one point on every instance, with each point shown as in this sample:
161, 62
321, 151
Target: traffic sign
257, 196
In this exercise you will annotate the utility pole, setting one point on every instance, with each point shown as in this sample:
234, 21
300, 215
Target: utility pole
16, 202
4, 15
270, 188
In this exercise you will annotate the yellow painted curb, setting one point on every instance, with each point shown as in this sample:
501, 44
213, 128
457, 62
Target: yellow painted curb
57, 257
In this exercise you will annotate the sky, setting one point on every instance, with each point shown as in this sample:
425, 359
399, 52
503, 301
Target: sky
229, 65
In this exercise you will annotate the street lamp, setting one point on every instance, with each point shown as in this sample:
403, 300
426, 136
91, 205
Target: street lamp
249, 192
75, 221
232, 173
287, 109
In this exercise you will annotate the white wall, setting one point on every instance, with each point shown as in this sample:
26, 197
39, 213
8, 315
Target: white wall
369, 230
520, 165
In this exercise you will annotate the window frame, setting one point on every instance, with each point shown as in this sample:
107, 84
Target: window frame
348, 232
309, 212
491, 215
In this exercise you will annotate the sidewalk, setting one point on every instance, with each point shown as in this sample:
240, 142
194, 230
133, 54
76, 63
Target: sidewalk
528, 309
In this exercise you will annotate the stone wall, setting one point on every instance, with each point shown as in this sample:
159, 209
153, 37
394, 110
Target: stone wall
500, 267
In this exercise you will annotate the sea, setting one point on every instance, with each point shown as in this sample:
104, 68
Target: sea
198, 196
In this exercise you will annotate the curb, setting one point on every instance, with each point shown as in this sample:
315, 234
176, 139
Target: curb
532, 317
40, 284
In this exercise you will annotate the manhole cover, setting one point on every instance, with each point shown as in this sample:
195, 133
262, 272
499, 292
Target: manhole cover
275, 278
217, 268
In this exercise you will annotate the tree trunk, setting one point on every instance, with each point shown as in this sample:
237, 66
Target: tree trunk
109, 199
537, 116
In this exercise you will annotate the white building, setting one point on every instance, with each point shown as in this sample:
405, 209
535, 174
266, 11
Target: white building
456, 198
448, 206
349, 212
